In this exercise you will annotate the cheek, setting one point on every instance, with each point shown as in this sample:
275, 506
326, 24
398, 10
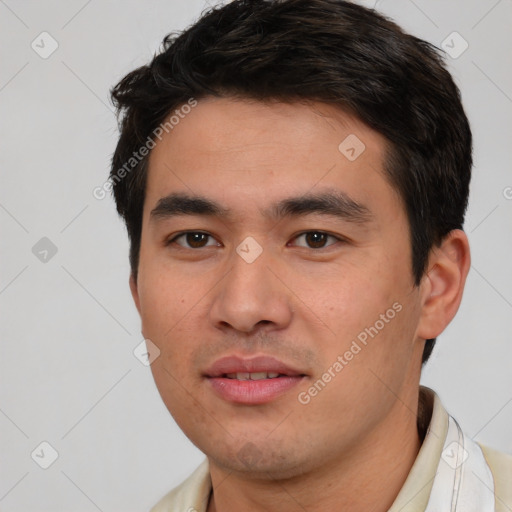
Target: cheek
372, 308
347, 299
178, 395
165, 298
174, 372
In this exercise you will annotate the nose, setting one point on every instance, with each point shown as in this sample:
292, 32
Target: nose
251, 296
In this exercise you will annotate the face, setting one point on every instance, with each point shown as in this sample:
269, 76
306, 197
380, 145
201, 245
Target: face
275, 279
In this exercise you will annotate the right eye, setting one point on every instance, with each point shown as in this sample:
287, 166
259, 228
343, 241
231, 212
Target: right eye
193, 240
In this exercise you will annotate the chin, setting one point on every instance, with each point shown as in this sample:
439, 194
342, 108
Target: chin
260, 460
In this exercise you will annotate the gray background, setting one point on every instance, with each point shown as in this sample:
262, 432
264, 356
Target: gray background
68, 373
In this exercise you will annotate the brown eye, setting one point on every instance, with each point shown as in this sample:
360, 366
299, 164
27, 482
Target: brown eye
315, 240
194, 240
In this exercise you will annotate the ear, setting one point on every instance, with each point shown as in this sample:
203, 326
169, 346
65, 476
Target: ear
442, 285
135, 291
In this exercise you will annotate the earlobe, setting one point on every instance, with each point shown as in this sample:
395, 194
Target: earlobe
443, 284
135, 292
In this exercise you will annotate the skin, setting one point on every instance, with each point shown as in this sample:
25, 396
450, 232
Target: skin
352, 446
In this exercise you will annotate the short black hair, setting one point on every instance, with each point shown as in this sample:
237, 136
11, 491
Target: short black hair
332, 51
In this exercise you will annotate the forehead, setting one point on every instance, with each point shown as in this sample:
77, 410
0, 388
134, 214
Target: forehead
245, 152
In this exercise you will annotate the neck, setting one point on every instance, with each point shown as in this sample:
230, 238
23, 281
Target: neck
367, 479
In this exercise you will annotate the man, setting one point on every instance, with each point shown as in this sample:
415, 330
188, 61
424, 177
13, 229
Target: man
294, 176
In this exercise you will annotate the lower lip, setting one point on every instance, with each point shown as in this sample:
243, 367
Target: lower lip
253, 392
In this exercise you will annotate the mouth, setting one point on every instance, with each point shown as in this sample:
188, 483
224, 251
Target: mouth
252, 381
253, 375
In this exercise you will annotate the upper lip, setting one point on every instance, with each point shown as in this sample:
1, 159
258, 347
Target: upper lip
236, 364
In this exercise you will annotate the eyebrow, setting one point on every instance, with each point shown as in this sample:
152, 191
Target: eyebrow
334, 203
184, 204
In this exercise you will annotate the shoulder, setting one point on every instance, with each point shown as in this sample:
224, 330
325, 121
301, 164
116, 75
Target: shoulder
500, 465
190, 496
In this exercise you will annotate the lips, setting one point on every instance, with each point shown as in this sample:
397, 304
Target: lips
252, 381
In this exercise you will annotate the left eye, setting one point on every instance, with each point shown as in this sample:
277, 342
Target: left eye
315, 240
194, 240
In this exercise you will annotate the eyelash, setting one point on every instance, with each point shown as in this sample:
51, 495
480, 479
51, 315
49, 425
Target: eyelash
295, 237
184, 234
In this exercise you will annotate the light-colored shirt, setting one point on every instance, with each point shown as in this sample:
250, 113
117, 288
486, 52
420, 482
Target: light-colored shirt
435, 455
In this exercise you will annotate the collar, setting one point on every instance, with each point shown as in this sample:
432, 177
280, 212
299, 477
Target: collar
433, 427
450, 472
